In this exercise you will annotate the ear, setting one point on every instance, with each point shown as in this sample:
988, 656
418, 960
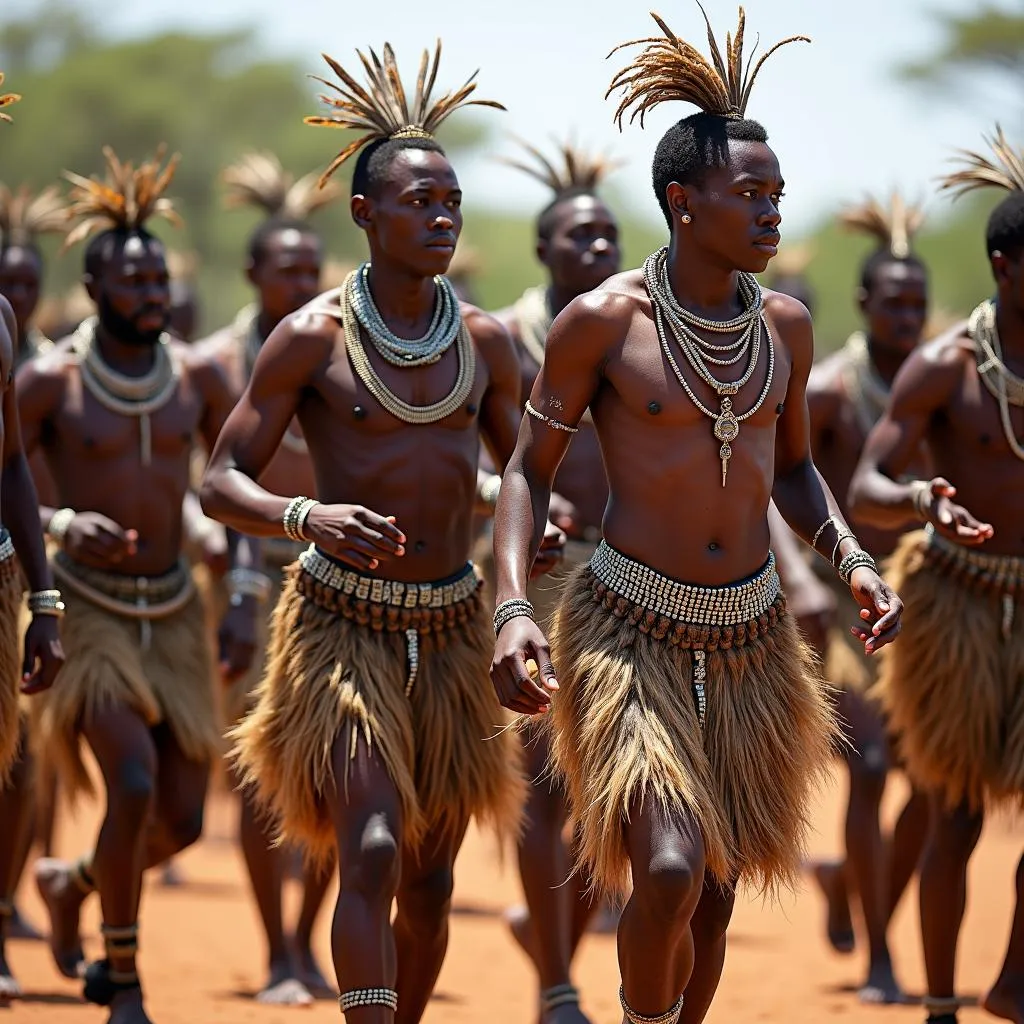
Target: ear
862, 299
91, 287
542, 250
250, 273
1001, 269
361, 208
678, 200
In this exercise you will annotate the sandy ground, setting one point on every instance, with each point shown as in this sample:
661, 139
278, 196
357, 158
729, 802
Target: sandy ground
202, 950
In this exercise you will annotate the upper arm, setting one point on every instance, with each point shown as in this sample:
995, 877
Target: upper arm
218, 397
922, 387
39, 384
11, 429
287, 363
793, 431
500, 411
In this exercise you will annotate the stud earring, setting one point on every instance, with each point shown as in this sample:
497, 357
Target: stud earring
685, 218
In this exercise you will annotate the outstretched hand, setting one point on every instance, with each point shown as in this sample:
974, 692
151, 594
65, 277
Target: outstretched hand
519, 641
951, 520
880, 608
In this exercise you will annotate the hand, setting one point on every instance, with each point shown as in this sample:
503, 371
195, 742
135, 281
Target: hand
813, 605
355, 535
951, 520
520, 640
237, 638
552, 551
92, 537
880, 608
564, 514
44, 654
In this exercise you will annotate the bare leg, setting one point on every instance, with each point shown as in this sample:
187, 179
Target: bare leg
708, 926
831, 879
421, 923
952, 838
16, 815
1006, 999
315, 882
908, 839
17, 926
367, 820
656, 954
46, 808
866, 853
265, 864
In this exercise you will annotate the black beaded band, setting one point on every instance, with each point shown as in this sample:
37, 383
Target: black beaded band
670, 1016
512, 609
853, 561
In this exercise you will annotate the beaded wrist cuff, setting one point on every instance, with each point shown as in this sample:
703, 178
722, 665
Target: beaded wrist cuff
853, 561
295, 515
920, 497
489, 490
6, 546
46, 602
512, 609
60, 522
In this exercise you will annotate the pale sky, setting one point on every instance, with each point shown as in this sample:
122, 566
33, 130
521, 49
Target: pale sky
838, 118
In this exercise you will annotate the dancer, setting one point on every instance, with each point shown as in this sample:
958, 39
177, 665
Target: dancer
687, 719
953, 688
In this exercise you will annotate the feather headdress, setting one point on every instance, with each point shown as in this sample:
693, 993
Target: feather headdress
24, 216
1006, 171
670, 69
6, 99
259, 180
893, 228
572, 168
128, 198
381, 109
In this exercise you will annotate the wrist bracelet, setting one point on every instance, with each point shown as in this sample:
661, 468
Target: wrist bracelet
249, 583
46, 602
59, 524
920, 498
833, 521
853, 561
512, 609
295, 515
839, 540
489, 490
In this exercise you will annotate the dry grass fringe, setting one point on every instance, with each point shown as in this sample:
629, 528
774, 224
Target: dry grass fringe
171, 682
11, 622
952, 687
625, 728
330, 680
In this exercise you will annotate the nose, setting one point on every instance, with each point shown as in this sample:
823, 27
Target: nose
443, 219
771, 216
601, 246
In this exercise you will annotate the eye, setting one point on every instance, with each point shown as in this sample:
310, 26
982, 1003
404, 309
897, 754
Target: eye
417, 202
777, 197
750, 193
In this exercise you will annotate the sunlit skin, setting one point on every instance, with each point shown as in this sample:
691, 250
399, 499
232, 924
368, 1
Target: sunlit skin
399, 530
603, 353
285, 278
939, 402
21, 275
129, 521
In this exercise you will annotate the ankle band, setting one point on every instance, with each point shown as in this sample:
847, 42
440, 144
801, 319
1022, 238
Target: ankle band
670, 1016
359, 997
558, 995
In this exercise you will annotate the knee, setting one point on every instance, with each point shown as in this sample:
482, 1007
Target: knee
670, 885
428, 900
374, 870
715, 913
132, 793
184, 826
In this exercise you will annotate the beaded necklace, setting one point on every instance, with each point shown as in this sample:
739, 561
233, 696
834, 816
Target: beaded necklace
1004, 385
670, 316
867, 390
127, 396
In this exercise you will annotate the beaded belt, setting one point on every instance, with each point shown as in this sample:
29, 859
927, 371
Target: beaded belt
997, 574
687, 615
388, 605
134, 597
6, 545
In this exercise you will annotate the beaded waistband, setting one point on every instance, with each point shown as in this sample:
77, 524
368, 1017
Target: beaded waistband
139, 597
999, 573
688, 603
352, 584
6, 545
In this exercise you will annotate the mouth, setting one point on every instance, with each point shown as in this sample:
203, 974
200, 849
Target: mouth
768, 244
448, 244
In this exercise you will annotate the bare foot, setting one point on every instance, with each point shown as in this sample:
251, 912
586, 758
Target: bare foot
839, 926
9, 987
1005, 1001
171, 875
881, 988
521, 927
63, 901
19, 928
312, 977
284, 989
127, 1008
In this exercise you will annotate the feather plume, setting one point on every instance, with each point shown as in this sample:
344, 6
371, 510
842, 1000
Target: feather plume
1006, 171
24, 216
572, 168
259, 180
671, 69
6, 99
128, 198
380, 109
793, 260
893, 228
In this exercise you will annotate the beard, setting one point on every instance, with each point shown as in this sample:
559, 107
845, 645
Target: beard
123, 328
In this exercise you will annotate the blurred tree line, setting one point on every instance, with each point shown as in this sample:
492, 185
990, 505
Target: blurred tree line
213, 96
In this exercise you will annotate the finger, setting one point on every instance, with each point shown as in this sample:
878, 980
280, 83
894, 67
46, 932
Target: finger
876, 643
525, 685
886, 622
521, 707
545, 670
355, 559
385, 525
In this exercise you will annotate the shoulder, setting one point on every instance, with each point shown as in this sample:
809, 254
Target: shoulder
791, 321
6, 341
607, 312
825, 382
202, 363
42, 379
487, 329
218, 345
933, 371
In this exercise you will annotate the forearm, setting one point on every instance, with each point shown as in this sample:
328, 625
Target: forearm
806, 503
21, 515
879, 501
519, 524
237, 501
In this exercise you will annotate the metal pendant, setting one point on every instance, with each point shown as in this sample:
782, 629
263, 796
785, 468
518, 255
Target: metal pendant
727, 429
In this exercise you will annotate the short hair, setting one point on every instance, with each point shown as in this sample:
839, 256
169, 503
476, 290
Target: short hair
549, 215
259, 240
374, 162
882, 258
694, 146
1005, 230
103, 247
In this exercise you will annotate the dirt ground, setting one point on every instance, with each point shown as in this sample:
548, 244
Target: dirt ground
202, 950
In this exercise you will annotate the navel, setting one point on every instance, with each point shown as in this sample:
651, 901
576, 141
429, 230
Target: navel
359, 413
654, 408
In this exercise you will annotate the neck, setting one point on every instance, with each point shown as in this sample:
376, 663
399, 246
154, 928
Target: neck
23, 330
886, 362
702, 287
1010, 325
404, 299
559, 298
266, 322
131, 360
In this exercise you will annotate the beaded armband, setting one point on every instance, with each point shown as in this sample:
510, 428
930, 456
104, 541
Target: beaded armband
556, 424
490, 489
295, 516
